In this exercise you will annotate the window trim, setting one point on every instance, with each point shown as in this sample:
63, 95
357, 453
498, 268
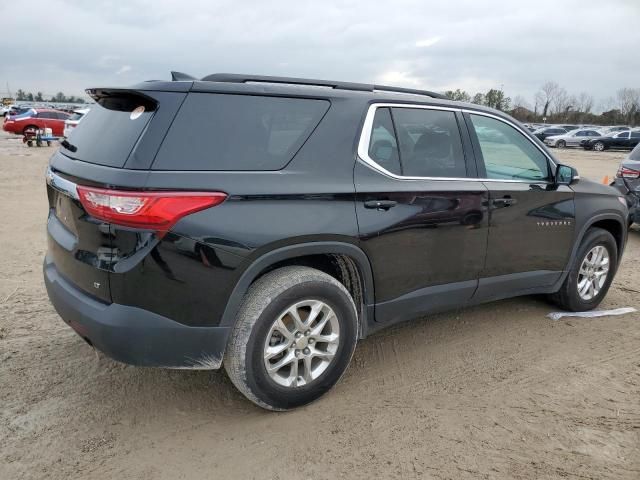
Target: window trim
365, 136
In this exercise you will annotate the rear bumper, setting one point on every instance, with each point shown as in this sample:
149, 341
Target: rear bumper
133, 335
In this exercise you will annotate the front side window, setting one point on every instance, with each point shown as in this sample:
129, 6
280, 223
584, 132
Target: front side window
430, 143
507, 153
623, 135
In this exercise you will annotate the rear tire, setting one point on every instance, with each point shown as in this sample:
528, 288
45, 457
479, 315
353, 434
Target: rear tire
311, 355
599, 146
561, 144
586, 271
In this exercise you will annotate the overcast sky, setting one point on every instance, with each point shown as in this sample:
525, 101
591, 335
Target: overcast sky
67, 45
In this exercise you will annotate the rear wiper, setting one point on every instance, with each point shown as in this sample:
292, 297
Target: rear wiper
69, 146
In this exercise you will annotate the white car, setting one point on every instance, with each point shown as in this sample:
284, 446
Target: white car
572, 138
73, 121
5, 109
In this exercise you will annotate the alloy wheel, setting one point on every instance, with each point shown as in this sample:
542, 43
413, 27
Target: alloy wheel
301, 343
593, 272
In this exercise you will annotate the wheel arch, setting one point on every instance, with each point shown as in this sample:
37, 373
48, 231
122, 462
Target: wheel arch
350, 265
611, 222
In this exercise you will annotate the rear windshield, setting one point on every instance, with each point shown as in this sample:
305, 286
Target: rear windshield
238, 132
635, 153
108, 133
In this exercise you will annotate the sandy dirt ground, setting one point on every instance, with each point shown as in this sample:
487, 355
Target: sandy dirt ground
497, 391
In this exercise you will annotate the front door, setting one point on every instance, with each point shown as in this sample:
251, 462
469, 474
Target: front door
531, 220
421, 212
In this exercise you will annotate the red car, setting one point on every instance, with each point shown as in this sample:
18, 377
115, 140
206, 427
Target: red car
42, 118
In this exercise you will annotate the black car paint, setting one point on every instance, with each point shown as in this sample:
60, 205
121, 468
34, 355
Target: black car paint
196, 275
611, 141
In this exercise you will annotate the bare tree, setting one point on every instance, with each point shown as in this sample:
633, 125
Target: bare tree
561, 103
520, 102
547, 96
628, 100
584, 102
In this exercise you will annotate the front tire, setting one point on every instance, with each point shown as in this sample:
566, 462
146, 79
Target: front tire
591, 273
294, 337
561, 144
598, 146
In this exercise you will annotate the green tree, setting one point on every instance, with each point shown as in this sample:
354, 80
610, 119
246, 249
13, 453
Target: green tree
29, 97
39, 97
497, 99
20, 95
478, 99
458, 95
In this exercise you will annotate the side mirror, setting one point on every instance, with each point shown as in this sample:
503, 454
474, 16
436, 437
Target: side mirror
566, 175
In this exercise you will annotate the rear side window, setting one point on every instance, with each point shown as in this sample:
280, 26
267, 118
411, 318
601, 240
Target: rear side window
430, 143
238, 132
383, 148
110, 130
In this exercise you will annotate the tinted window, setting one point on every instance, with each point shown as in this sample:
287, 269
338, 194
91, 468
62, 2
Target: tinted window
47, 115
623, 135
555, 131
430, 144
635, 134
383, 148
582, 133
62, 115
238, 132
507, 153
109, 131
635, 153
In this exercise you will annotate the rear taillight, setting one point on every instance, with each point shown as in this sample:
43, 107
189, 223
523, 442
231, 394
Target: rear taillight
157, 211
625, 172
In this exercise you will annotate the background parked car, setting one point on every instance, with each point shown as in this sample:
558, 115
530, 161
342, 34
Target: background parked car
73, 120
545, 132
628, 182
619, 128
40, 118
623, 140
568, 128
571, 138
15, 110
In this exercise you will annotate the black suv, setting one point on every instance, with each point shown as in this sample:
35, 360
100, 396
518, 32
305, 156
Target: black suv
266, 224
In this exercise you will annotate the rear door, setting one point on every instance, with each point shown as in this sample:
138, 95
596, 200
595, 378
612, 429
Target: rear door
531, 221
421, 212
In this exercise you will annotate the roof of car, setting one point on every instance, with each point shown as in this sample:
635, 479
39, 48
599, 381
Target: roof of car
296, 87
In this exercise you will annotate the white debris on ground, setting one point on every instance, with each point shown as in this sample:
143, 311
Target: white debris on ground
592, 313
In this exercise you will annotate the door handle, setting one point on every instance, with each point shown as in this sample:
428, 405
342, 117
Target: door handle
503, 202
380, 204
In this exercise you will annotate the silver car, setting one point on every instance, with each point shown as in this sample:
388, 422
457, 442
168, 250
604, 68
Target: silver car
572, 138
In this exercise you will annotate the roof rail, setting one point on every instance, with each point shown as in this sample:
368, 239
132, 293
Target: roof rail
363, 87
241, 78
412, 91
